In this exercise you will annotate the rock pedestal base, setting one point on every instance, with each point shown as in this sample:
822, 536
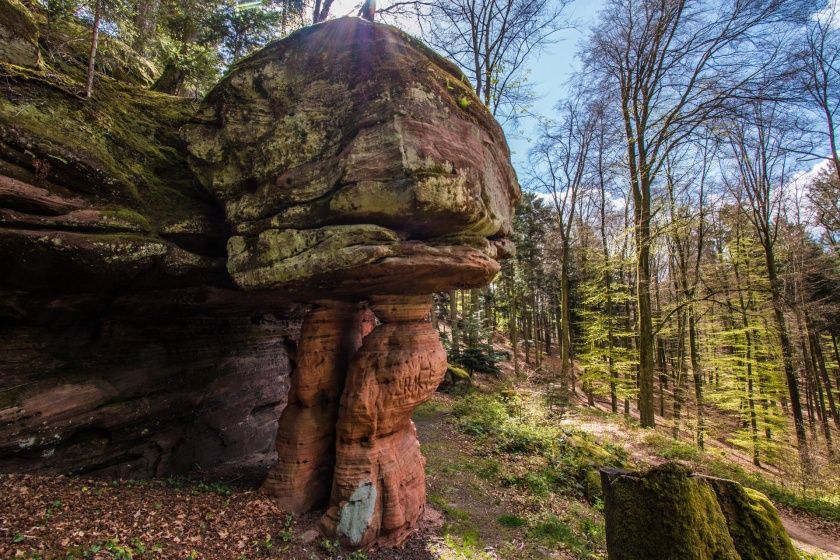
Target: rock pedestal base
379, 490
332, 332
360, 454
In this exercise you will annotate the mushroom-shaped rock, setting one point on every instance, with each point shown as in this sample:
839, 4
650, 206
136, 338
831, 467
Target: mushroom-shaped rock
353, 161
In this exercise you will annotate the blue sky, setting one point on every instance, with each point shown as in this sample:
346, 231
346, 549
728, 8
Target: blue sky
549, 69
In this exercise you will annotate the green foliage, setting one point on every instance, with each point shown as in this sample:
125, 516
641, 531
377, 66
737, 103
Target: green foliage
672, 449
448, 509
557, 399
605, 347
511, 521
555, 532
329, 546
481, 358
571, 457
219, 488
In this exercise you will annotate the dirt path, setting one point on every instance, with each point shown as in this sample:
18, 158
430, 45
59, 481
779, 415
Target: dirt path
810, 541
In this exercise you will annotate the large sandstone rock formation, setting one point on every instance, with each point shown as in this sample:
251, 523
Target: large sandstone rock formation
243, 291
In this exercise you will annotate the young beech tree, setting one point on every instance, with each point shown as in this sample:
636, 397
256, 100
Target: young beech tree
761, 144
669, 67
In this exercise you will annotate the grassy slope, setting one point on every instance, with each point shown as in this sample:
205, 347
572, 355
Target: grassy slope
513, 475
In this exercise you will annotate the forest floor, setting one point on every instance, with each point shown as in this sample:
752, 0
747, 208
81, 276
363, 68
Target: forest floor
509, 476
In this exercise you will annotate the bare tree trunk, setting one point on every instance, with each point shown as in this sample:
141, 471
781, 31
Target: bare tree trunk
816, 393
566, 368
644, 318
453, 323
694, 355
819, 362
145, 23
514, 331
321, 10
94, 44
787, 351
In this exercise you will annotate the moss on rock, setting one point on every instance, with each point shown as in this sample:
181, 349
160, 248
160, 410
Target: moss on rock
753, 522
668, 513
18, 35
664, 514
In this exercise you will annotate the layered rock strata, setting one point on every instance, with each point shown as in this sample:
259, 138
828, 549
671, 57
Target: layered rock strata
301, 478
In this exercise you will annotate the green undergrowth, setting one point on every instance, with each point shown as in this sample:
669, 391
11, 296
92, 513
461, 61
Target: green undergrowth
825, 507
541, 479
516, 425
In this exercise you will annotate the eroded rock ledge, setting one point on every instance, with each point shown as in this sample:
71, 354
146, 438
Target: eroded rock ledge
243, 288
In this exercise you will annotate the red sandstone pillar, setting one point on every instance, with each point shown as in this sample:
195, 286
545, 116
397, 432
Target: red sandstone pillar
378, 490
302, 477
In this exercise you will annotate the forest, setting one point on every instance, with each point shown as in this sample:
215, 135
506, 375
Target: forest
673, 294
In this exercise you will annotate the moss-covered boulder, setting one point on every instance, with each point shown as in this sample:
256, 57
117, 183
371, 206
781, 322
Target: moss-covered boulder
96, 193
753, 522
670, 514
665, 514
18, 35
371, 150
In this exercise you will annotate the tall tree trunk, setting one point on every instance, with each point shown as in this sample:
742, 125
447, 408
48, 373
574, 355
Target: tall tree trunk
817, 396
751, 403
94, 44
662, 366
819, 362
697, 375
453, 324
566, 368
145, 24
787, 352
514, 332
644, 318
527, 334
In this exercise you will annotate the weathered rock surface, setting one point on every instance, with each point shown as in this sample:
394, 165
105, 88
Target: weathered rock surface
185, 292
126, 349
351, 159
117, 387
379, 488
18, 35
332, 332
670, 514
